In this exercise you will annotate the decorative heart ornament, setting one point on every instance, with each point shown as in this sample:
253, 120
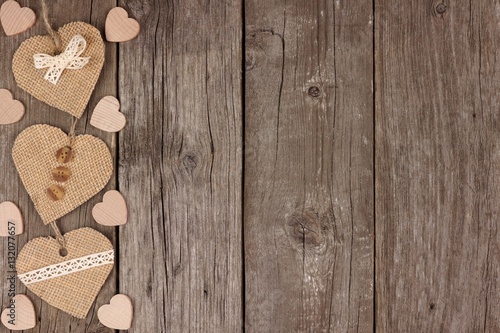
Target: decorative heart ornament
16, 19
119, 27
11, 110
69, 283
20, 314
74, 87
117, 314
112, 210
34, 155
107, 115
11, 220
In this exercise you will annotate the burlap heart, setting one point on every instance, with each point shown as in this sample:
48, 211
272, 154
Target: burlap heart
69, 283
72, 93
34, 155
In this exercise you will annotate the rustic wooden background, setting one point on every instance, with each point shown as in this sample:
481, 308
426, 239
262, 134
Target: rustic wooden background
292, 165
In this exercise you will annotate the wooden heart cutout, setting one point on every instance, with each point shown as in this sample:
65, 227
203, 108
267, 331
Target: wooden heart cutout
69, 283
11, 110
72, 92
20, 314
11, 220
34, 155
16, 19
117, 314
107, 115
119, 27
112, 211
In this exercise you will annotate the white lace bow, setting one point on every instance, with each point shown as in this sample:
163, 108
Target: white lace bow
69, 59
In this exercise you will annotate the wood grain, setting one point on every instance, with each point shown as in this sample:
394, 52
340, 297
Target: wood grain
309, 175
11, 189
437, 166
309, 166
181, 166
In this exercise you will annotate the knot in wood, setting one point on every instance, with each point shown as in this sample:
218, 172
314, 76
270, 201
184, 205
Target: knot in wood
441, 8
305, 229
249, 61
314, 91
190, 161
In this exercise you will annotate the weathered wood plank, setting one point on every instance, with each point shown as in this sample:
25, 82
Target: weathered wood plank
180, 166
309, 166
437, 162
61, 12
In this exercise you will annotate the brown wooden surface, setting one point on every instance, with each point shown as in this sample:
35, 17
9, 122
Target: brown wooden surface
309, 166
180, 166
340, 176
437, 163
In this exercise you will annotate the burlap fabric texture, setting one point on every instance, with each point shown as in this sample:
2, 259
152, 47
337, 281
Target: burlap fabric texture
34, 155
72, 93
73, 293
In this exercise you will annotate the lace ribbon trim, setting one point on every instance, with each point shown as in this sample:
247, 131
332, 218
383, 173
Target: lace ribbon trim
68, 267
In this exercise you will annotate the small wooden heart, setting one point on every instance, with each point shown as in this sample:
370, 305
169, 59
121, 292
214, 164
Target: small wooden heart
119, 27
20, 314
72, 92
16, 19
70, 283
107, 115
117, 314
11, 220
34, 155
11, 110
112, 210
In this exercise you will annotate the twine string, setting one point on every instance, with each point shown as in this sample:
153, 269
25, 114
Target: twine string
57, 42
71, 134
53, 34
59, 237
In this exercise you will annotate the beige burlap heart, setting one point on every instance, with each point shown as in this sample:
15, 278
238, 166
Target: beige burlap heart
34, 155
72, 92
69, 283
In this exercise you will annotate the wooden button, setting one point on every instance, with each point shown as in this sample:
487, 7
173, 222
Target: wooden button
64, 155
61, 174
55, 192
